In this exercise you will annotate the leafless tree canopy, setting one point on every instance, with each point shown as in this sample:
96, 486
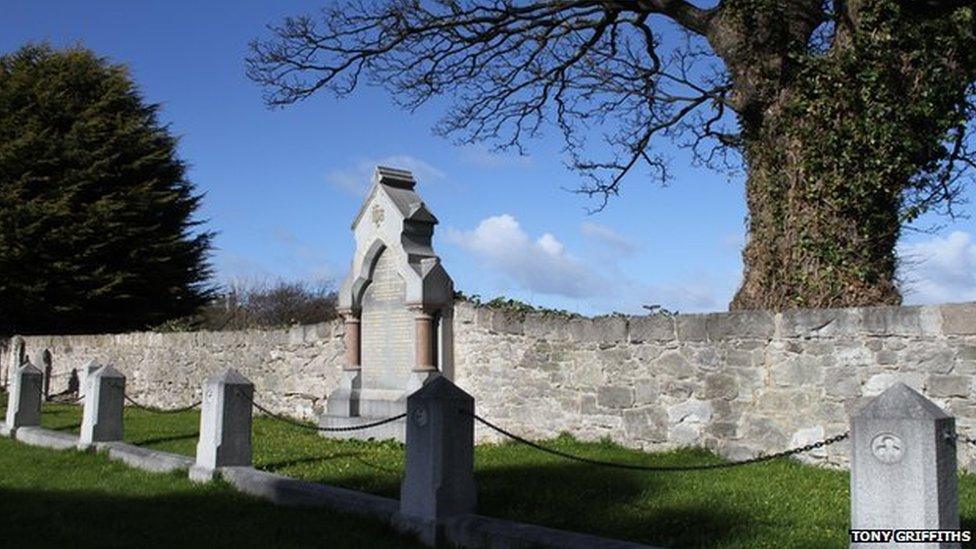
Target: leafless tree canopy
511, 66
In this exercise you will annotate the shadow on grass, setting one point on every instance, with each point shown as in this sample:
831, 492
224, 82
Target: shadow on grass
159, 440
210, 518
278, 465
606, 502
72, 427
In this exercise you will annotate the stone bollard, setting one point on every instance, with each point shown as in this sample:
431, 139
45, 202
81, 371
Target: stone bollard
102, 418
24, 401
225, 425
903, 466
439, 478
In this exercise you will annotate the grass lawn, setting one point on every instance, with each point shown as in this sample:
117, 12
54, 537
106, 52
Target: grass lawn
775, 504
71, 499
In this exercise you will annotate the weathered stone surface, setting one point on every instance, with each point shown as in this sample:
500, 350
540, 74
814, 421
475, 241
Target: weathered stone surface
818, 322
104, 402
721, 386
225, 424
615, 397
959, 319
948, 385
903, 470
439, 472
24, 402
691, 328
737, 325
646, 424
878, 383
891, 321
548, 380
652, 328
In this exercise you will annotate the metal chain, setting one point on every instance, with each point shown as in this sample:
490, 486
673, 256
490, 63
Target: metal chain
160, 410
723, 465
297, 423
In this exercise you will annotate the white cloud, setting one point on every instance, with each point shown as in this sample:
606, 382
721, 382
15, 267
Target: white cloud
608, 237
357, 177
540, 265
939, 270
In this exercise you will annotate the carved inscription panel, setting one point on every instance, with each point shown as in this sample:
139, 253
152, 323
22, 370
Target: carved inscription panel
387, 328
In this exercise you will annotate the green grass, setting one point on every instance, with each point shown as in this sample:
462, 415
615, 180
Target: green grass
72, 499
775, 504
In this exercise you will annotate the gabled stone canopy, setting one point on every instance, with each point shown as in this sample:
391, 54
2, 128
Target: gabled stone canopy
394, 219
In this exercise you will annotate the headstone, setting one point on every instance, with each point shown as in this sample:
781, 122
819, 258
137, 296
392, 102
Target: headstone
86, 372
439, 475
104, 403
397, 302
24, 401
225, 425
16, 357
903, 465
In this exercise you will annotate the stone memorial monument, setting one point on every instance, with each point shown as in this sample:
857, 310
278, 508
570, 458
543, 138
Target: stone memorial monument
397, 305
903, 466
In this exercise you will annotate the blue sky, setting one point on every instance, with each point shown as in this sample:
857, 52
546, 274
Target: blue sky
282, 186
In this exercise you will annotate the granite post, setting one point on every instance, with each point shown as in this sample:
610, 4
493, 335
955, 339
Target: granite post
24, 402
439, 478
225, 425
903, 466
102, 418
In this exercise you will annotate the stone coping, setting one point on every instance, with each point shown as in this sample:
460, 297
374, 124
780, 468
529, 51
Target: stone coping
462, 531
952, 319
143, 458
47, 438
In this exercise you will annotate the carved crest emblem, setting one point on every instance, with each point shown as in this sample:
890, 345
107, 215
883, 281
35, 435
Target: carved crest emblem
378, 215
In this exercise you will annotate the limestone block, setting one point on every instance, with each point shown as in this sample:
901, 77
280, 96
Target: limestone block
841, 382
948, 385
744, 324
651, 328
506, 322
647, 424
959, 319
723, 386
903, 466
691, 328
615, 397
673, 364
895, 321
646, 391
104, 403
691, 410
818, 322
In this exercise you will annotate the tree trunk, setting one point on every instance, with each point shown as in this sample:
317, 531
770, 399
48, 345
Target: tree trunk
818, 237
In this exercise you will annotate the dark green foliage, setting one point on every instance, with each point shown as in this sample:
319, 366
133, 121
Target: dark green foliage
96, 215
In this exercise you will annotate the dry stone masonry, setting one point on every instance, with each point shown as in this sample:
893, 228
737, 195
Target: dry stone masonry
739, 383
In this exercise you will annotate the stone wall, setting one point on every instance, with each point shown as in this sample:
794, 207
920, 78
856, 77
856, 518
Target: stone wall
740, 383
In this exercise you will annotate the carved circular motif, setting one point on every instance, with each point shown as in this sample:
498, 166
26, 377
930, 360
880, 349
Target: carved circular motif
420, 416
378, 215
887, 448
